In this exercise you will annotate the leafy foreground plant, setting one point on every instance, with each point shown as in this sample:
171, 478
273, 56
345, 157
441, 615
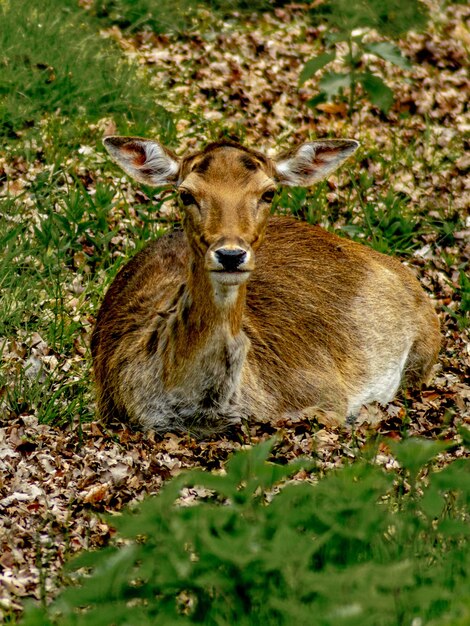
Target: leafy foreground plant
350, 23
353, 548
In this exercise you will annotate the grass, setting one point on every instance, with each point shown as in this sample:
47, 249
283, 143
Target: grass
53, 274
53, 62
461, 313
163, 16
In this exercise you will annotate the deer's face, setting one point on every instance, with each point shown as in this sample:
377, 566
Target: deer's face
226, 195
226, 192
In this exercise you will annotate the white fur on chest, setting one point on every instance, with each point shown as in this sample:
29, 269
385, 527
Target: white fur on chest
206, 400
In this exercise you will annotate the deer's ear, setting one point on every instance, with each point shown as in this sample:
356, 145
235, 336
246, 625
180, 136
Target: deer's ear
313, 161
145, 160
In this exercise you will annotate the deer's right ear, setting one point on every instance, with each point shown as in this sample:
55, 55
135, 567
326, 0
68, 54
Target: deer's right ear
145, 160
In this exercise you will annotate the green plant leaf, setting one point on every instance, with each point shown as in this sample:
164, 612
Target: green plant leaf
379, 93
314, 65
413, 454
454, 477
389, 52
465, 434
318, 99
225, 561
333, 82
432, 502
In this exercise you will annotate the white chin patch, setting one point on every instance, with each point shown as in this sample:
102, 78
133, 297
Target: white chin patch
229, 278
226, 285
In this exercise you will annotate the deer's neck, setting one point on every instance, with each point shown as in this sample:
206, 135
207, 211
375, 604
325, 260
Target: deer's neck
211, 306
205, 342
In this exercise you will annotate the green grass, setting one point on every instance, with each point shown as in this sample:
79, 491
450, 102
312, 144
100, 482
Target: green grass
52, 61
461, 312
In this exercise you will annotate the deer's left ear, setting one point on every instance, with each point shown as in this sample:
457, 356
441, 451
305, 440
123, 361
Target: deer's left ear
145, 160
313, 161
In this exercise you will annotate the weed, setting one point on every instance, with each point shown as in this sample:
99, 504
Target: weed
348, 25
307, 204
387, 224
56, 397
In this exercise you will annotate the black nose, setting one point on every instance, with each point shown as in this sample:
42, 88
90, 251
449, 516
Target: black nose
230, 258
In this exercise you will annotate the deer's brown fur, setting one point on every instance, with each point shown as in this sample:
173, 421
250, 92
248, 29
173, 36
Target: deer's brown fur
315, 323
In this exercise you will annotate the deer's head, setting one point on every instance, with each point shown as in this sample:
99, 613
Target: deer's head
226, 192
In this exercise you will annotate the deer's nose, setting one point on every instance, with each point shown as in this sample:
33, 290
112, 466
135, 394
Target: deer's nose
231, 258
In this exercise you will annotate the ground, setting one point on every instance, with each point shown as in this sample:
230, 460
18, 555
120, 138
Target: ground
406, 194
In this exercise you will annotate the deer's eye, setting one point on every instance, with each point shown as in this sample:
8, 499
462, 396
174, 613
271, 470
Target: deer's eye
187, 198
268, 196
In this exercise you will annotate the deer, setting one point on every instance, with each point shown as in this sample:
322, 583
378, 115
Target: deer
242, 315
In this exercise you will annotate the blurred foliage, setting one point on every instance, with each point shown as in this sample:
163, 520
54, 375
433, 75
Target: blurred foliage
163, 16
357, 547
390, 18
